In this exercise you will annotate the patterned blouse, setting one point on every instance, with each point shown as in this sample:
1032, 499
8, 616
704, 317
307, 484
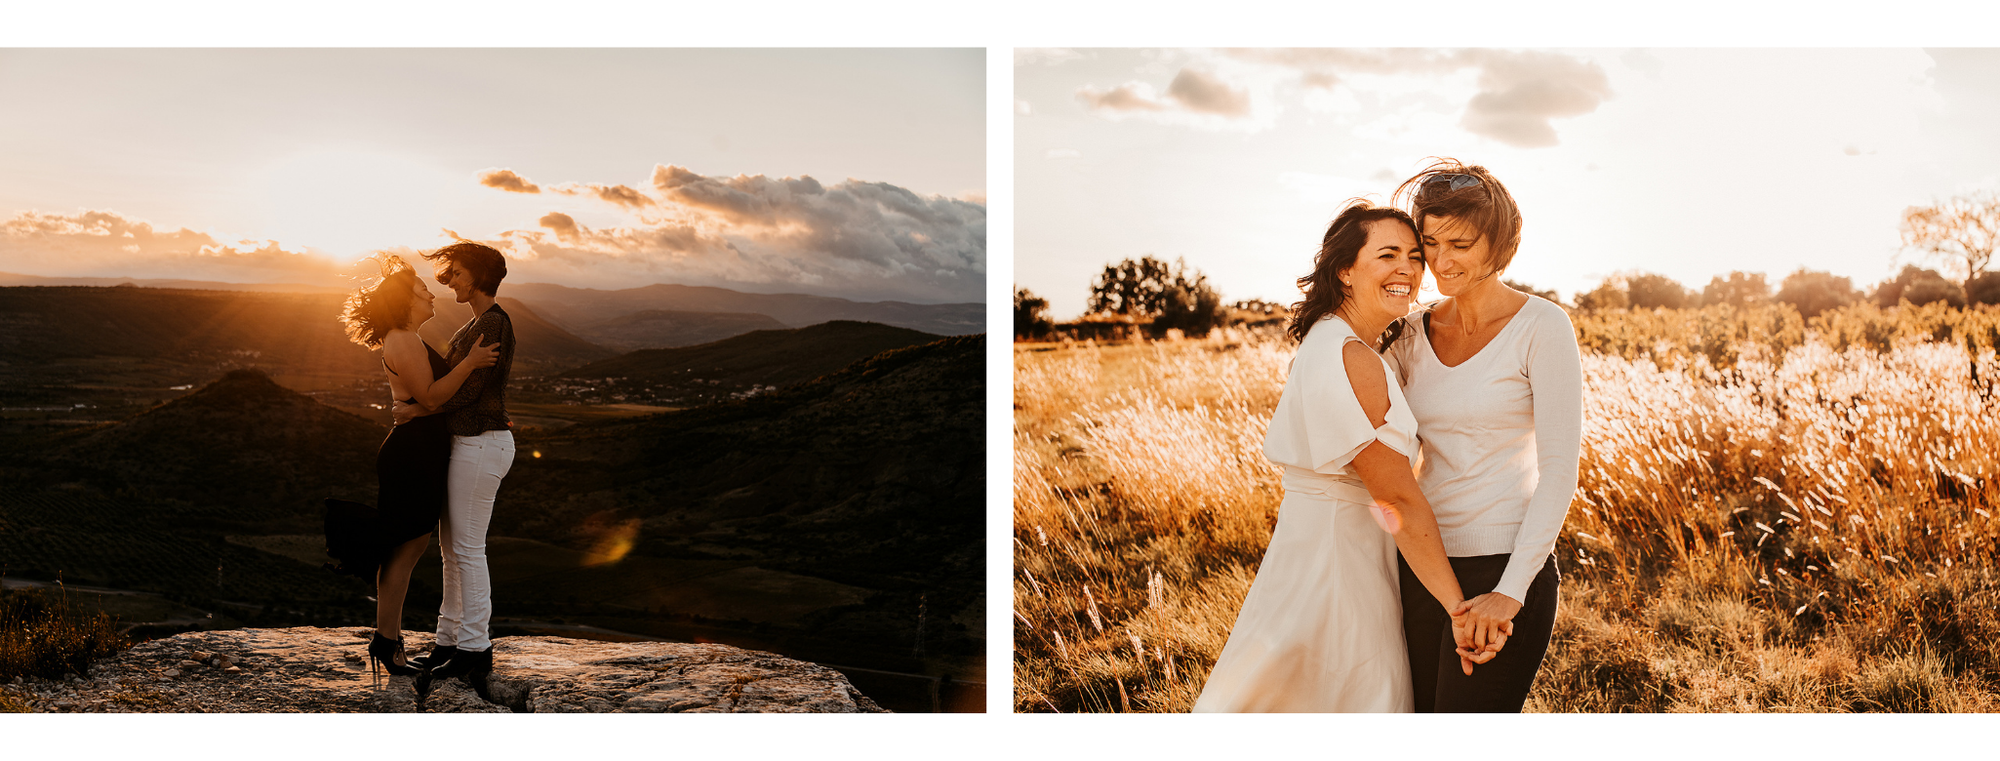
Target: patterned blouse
481, 402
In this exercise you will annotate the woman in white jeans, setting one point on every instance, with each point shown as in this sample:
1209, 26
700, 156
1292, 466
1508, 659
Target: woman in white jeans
482, 450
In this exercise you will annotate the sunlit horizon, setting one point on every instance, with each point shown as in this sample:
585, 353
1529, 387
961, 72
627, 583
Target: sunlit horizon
857, 174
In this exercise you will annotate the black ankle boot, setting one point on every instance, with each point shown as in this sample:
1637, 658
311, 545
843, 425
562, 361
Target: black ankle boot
470, 664
382, 652
436, 657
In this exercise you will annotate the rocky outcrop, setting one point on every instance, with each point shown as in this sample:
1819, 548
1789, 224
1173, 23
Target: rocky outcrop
309, 669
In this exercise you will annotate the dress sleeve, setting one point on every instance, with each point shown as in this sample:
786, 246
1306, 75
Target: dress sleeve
1320, 426
1555, 376
494, 327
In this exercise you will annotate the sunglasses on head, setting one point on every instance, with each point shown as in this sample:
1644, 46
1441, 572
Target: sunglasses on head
1451, 181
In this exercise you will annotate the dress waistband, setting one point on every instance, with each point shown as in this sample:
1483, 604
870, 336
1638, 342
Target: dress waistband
1307, 482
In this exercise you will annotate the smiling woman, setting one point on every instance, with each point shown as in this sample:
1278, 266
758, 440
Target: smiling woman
345, 202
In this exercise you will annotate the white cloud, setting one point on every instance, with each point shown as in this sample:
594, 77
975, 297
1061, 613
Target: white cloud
103, 243
1046, 56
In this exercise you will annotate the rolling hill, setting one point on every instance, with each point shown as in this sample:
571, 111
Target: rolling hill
754, 362
543, 347
574, 308
872, 476
841, 518
662, 329
290, 332
774, 357
242, 452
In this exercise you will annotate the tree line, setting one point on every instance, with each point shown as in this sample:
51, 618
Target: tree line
1154, 297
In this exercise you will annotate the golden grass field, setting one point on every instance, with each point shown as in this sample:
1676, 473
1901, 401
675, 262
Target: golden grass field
1773, 514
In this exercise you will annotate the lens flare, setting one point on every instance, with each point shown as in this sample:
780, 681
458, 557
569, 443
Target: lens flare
613, 541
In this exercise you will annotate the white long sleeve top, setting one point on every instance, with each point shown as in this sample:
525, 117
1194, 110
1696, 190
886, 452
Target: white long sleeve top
1501, 435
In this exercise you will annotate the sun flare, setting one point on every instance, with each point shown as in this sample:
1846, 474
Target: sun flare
343, 203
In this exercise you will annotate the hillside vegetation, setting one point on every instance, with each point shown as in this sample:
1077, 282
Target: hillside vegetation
581, 307
753, 361
665, 329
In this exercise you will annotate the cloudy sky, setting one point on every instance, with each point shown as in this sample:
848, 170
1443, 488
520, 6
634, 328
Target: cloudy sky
1685, 162
851, 173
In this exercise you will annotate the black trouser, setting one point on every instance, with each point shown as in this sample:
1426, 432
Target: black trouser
1497, 686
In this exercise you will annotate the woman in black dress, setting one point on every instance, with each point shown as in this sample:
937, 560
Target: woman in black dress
412, 463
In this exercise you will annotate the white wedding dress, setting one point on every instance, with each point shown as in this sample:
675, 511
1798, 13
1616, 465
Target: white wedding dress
1322, 627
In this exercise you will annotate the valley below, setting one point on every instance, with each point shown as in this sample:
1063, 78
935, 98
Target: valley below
163, 459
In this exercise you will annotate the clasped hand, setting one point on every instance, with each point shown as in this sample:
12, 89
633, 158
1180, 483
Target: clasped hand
1480, 627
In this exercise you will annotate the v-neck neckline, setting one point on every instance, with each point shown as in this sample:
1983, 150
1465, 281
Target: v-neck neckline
1431, 344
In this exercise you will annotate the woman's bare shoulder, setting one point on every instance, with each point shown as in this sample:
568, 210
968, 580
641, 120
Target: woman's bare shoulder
401, 338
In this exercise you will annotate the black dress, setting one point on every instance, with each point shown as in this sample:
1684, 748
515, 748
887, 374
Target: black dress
410, 475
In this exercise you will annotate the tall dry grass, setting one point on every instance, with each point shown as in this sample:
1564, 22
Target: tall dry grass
1772, 514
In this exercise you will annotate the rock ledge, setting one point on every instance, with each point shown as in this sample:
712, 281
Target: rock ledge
309, 669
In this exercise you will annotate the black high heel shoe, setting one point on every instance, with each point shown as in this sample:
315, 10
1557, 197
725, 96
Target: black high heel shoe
382, 653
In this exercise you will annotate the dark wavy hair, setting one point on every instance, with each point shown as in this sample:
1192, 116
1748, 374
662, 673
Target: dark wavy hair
1487, 207
486, 266
1337, 251
371, 311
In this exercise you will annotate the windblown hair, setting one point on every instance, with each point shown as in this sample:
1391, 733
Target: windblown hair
486, 266
1486, 207
1337, 251
371, 311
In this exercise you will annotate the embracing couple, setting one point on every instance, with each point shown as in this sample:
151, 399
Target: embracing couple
441, 465
1448, 606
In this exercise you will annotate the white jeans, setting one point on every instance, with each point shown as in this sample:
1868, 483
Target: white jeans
477, 465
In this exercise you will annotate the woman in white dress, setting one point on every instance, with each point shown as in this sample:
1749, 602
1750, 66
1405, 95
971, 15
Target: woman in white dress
1494, 380
1321, 628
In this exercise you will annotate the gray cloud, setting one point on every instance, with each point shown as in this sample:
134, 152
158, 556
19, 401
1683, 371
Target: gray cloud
107, 244
506, 179
857, 239
621, 196
1204, 93
1191, 91
562, 224
1131, 96
1520, 92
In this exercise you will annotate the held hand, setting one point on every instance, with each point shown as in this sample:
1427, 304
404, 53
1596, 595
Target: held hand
483, 354
1490, 617
1469, 654
405, 412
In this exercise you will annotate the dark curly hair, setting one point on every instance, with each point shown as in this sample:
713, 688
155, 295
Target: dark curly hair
371, 311
1338, 250
1485, 206
486, 266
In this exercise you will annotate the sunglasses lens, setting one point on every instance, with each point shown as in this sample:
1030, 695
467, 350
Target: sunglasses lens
1452, 181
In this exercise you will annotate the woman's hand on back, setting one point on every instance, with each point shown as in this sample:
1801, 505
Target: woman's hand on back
482, 354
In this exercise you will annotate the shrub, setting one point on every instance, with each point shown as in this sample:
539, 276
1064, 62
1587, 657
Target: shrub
40, 636
1812, 292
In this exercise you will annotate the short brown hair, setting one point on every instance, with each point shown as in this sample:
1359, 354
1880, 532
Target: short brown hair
486, 266
1486, 206
371, 311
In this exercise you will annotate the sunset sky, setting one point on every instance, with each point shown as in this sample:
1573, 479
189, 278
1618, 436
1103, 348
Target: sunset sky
851, 173
1685, 162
